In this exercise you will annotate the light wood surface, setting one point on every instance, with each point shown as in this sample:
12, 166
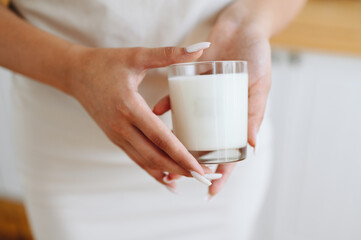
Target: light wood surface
13, 221
5, 2
326, 25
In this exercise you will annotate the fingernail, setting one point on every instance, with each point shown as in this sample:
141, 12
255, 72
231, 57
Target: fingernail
208, 197
201, 178
172, 190
166, 179
213, 176
198, 46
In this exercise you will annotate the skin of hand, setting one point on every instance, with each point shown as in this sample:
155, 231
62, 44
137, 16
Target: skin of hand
105, 82
229, 42
242, 32
249, 44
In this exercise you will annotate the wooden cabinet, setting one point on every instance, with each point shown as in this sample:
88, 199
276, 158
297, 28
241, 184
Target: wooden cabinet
326, 25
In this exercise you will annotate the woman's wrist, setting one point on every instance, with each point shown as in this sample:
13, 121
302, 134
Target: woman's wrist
77, 57
245, 20
244, 31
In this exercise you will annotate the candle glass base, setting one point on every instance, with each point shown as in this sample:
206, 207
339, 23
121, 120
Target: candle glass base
220, 156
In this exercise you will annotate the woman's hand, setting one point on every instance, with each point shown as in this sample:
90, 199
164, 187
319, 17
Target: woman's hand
105, 82
232, 41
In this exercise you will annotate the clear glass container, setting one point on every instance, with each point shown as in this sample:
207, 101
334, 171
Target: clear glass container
209, 104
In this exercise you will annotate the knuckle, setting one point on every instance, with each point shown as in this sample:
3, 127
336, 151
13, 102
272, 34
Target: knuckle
160, 142
136, 55
124, 110
263, 81
154, 163
114, 137
169, 53
256, 118
119, 128
151, 164
126, 107
178, 150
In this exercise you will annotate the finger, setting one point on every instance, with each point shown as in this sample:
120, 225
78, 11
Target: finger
162, 106
137, 158
225, 170
161, 136
160, 177
153, 157
258, 94
172, 177
206, 169
161, 57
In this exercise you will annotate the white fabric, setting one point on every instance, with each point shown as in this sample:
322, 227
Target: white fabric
78, 185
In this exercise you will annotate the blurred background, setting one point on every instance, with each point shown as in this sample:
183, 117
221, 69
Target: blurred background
315, 108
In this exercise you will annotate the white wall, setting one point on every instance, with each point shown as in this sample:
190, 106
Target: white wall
9, 183
316, 111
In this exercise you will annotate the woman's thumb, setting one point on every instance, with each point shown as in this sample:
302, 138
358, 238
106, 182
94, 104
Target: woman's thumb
162, 57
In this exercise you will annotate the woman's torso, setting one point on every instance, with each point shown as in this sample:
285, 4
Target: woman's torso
78, 184
126, 23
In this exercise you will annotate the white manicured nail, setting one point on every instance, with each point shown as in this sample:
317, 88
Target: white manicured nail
165, 179
213, 176
201, 178
172, 190
208, 197
198, 46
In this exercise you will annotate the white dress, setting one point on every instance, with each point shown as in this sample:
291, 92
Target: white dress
80, 186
